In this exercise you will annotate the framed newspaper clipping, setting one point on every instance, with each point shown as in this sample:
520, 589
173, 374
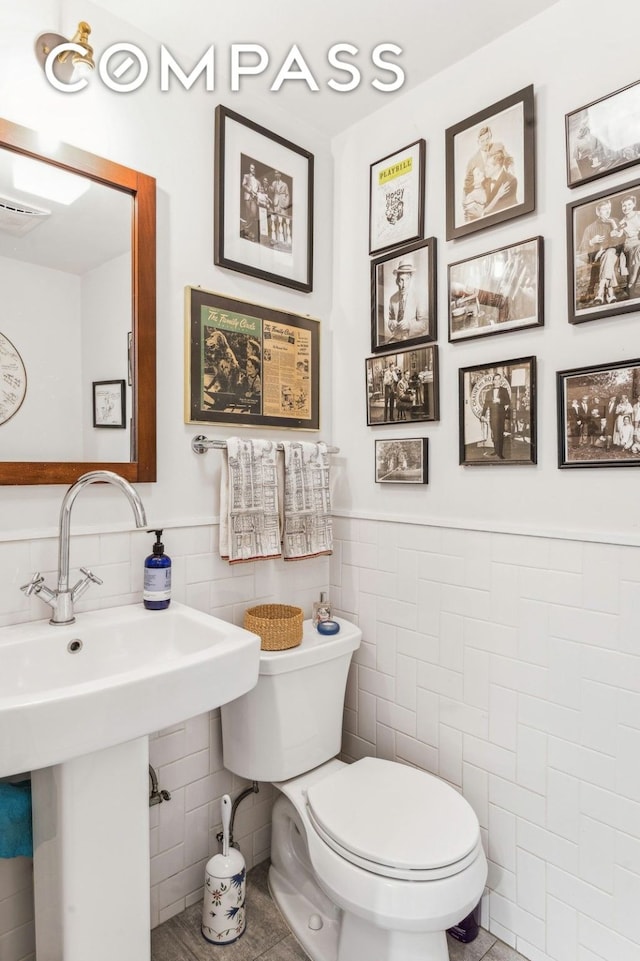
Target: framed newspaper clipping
249, 365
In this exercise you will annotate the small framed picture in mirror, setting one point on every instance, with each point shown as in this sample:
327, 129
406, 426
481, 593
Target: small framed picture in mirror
109, 404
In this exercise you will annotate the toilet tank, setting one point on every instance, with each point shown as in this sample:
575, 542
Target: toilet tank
291, 721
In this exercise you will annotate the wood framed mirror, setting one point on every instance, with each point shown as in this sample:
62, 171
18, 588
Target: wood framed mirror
85, 316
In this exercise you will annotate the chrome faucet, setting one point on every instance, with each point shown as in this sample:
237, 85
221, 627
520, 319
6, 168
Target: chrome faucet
62, 599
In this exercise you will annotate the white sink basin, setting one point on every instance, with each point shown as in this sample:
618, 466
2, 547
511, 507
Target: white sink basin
135, 672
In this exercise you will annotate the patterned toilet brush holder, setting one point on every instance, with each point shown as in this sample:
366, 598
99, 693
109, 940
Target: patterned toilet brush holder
225, 887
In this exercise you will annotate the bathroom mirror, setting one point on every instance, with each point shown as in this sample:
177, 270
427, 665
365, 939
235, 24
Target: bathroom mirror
78, 281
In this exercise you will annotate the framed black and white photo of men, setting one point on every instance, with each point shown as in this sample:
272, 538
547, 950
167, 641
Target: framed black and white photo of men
402, 460
599, 415
603, 136
497, 292
490, 165
263, 203
498, 413
403, 387
403, 296
603, 254
396, 198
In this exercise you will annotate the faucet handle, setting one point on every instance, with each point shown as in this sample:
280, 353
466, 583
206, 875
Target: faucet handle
34, 585
89, 578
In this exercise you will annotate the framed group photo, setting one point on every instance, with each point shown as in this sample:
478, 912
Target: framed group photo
396, 198
263, 203
403, 387
599, 415
402, 460
497, 292
490, 165
603, 136
603, 254
249, 365
498, 413
403, 296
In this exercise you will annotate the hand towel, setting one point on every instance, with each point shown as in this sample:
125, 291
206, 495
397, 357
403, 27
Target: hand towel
249, 514
307, 530
16, 838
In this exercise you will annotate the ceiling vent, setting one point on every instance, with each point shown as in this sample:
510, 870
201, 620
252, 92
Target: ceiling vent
17, 217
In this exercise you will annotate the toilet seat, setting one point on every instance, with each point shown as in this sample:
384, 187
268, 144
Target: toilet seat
394, 820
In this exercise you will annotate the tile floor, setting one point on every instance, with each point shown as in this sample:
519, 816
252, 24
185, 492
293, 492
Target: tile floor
268, 938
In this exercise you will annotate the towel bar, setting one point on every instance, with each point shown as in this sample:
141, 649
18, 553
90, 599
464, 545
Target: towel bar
201, 444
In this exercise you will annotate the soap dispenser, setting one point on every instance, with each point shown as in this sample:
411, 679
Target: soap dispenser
157, 577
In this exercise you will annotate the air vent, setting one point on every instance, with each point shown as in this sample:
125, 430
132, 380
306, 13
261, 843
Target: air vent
17, 217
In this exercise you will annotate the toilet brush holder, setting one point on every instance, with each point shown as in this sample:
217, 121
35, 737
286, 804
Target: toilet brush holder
225, 888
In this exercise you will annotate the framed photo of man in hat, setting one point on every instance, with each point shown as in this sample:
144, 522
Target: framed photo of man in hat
403, 296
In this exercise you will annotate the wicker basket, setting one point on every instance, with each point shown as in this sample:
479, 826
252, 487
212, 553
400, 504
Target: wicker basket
279, 626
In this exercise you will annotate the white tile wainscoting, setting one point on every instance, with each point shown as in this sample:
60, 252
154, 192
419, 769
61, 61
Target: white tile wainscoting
508, 664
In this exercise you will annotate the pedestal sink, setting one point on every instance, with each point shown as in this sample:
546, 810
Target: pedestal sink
77, 705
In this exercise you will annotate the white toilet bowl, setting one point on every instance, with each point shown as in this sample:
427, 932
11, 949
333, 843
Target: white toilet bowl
370, 861
374, 860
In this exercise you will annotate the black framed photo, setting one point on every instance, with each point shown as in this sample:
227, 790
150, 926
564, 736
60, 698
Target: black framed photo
396, 198
263, 203
497, 292
490, 165
498, 413
109, 403
402, 460
603, 254
249, 365
403, 296
599, 415
603, 136
403, 386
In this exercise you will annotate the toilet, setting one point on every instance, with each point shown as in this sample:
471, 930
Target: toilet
370, 860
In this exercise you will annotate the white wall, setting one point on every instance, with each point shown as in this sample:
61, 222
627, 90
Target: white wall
570, 60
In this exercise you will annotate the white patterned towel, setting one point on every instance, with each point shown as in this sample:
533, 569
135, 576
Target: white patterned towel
307, 530
249, 514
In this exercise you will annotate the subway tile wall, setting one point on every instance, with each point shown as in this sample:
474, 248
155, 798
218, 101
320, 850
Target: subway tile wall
510, 666
187, 758
506, 664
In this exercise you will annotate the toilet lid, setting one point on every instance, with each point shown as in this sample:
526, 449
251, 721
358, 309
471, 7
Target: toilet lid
393, 819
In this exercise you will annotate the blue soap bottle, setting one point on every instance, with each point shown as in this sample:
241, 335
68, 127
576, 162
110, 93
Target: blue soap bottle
157, 577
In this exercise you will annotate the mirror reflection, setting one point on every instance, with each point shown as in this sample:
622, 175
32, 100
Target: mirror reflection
65, 275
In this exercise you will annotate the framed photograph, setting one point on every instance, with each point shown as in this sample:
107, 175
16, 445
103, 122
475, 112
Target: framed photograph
403, 296
603, 136
249, 365
263, 203
109, 403
498, 413
396, 198
403, 386
490, 165
402, 461
497, 292
599, 415
603, 254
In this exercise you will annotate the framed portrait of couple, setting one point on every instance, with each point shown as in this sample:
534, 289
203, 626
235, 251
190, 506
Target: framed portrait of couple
490, 165
403, 296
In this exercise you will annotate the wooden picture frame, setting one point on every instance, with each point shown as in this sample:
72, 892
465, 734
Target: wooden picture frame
402, 460
498, 413
396, 198
249, 365
403, 296
497, 292
603, 254
603, 136
263, 203
109, 403
599, 415
490, 165
403, 387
